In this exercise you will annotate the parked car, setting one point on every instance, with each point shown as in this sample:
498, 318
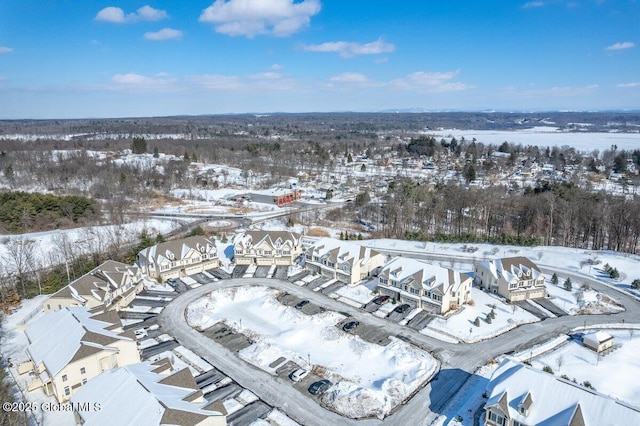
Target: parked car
319, 387
381, 300
172, 282
350, 325
298, 374
302, 304
402, 308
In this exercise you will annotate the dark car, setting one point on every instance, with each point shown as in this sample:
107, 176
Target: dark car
302, 304
319, 387
381, 300
402, 309
350, 325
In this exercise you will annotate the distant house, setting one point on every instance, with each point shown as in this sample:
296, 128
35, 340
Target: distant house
598, 341
146, 395
283, 196
429, 287
179, 258
112, 285
267, 247
519, 395
514, 278
344, 261
71, 346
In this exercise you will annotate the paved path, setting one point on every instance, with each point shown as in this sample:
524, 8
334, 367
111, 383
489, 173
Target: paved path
458, 361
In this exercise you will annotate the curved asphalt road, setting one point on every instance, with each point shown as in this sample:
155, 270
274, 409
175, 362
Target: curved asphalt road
458, 361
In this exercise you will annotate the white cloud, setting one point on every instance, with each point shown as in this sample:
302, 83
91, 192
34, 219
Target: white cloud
163, 34
632, 84
277, 67
350, 77
253, 17
347, 49
621, 46
532, 4
117, 15
141, 83
5, 49
431, 82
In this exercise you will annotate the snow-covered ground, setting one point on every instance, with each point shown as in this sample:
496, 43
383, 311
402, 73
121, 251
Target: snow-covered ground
369, 380
361, 293
615, 374
461, 324
548, 136
589, 263
47, 246
581, 301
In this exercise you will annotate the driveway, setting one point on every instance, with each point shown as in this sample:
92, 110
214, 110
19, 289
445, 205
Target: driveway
458, 361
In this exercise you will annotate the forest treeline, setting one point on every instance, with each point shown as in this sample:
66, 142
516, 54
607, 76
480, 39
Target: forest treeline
25, 211
550, 214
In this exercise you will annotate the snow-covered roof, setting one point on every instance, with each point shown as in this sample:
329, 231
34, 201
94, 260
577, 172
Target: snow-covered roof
511, 268
424, 275
177, 249
100, 281
273, 238
138, 395
56, 338
552, 400
342, 251
596, 338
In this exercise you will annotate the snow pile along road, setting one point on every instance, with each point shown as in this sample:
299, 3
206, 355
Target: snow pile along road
369, 379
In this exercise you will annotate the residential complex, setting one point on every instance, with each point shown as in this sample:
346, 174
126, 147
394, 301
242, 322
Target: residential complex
429, 287
267, 248
179, 258
71, 346
112, 285
345, 261
519, 395
514, 278
146, 395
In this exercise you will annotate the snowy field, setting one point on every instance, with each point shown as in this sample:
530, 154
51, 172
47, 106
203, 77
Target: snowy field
581, 301
461, 324
548, 136
603, 372
369, 380
49, 245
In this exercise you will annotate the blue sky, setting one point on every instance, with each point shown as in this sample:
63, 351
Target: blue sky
74, 59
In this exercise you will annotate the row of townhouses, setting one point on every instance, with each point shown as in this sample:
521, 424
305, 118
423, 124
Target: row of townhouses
344, 261
179, 258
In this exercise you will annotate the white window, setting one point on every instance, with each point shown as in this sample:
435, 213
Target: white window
64, 377
517, 423
83, 370
67, 391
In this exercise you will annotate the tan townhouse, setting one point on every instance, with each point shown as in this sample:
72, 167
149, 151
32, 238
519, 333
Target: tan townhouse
179, 258
520, 395
112, 285
146, 394
345, 261
429, 287
267, 248
514, 278
71, 346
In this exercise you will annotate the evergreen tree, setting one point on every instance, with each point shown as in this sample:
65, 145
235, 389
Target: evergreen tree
186, 156
156, 153
567, 284
470, 173
363, 168
349, 158
554, 279
635, 284
341, 235
139, 145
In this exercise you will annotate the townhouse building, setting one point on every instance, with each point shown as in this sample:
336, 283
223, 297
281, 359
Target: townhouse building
421, 285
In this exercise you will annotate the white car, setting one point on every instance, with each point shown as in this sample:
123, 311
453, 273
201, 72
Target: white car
298, 374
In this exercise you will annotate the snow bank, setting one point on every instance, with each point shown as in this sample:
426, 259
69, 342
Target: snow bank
369, 379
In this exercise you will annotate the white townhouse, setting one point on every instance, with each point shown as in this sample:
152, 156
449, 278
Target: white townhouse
112, 285
265, 248
179, 258
71, 346
345, 261
514, 278
422, 285
146, 394
520, 395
